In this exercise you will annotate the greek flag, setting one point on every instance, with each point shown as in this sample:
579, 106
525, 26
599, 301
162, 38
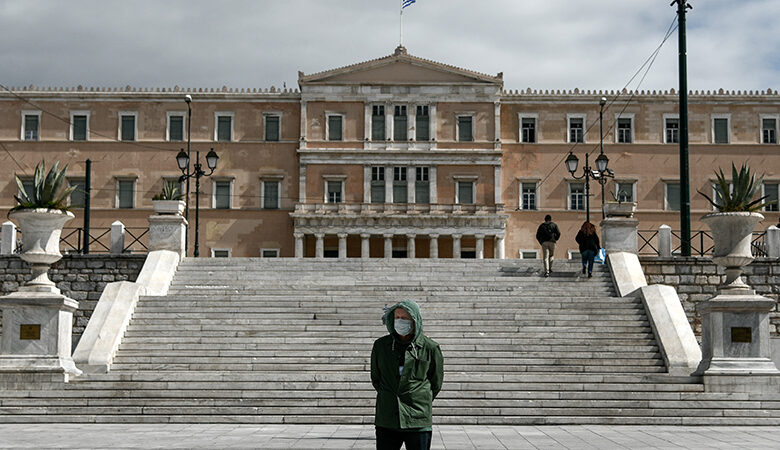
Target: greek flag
405, 3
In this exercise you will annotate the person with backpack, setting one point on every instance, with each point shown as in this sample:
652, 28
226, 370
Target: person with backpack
548, 234
589, 246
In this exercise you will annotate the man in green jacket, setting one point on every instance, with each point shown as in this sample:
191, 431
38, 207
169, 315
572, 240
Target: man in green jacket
407, 370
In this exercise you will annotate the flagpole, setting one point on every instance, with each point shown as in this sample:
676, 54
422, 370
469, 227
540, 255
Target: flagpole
401, 23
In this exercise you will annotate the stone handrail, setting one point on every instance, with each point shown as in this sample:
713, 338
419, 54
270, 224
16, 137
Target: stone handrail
396, 208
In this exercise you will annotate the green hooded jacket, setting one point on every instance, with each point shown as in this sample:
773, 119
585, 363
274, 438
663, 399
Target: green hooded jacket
405, 401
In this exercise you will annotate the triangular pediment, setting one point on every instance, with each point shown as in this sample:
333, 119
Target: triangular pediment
399, 68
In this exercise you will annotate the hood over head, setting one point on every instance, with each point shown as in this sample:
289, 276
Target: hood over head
413, 309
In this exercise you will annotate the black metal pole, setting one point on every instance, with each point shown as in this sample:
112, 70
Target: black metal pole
188, 99
87, 190
587, 189
685, 194
601, 147
197, 202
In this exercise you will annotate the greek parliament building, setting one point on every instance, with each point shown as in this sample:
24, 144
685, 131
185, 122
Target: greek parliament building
398, 156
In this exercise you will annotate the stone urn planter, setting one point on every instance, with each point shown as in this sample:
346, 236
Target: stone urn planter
619, 209
41, 231
732, 234
168, 207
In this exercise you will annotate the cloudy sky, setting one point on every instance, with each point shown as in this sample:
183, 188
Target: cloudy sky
541, 44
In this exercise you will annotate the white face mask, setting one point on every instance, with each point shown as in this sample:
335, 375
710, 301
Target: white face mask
403, 326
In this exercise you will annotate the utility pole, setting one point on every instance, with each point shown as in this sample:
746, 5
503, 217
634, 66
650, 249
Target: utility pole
685, 188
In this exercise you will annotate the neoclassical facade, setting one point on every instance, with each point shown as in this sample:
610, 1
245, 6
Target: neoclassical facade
394, 157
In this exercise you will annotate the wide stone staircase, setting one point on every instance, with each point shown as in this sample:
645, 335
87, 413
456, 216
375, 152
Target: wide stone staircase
289, 341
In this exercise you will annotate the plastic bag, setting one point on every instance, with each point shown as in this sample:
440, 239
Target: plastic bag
601, 256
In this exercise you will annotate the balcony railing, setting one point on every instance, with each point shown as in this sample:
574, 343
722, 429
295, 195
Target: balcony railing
396, 208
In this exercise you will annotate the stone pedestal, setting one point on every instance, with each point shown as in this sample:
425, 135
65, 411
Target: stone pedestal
37, 333
168, 232
735, 335
619, 234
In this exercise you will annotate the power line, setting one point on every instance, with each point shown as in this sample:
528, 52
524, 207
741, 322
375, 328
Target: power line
649, 63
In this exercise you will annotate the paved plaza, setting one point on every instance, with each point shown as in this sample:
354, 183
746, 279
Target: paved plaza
219, 436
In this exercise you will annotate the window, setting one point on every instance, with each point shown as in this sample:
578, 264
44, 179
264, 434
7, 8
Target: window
422, 123
31, 126
269, 252
222, 194
127, 126
271, 194
79, 125
400, 186
273, 127
528, 129
378, 123
769, 130
624, 126
125, 193
377, 185
576, 129
577, 196
720, 130
529, 254
335, 127
400, 128
220, 253
224, 127
465, 193
334, 191
175, 126
624, 191
771, 194
672, 196
528, 196
465, 128
672, 130
78, 196
422, 185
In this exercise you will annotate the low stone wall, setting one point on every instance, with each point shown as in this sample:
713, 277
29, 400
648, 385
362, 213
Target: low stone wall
80, 277
697, 279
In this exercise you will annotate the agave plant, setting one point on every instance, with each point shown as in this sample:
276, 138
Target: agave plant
170, 191
740, 198
49, 190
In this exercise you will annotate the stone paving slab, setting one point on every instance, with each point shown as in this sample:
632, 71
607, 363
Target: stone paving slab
281, 436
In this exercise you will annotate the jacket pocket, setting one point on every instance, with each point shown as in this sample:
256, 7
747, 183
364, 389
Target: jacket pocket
420, 369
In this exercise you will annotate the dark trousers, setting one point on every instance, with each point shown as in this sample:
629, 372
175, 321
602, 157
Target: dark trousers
388, 439
587, 259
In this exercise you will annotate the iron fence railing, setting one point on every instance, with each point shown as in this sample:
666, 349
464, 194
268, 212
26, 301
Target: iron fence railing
701, 243
72, 240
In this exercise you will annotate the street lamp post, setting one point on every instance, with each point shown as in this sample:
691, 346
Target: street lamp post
600, 174
602, 102
183, 160
188, 100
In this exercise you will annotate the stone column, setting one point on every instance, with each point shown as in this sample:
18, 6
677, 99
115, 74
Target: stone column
772, 241
665, 241
433, 125
366, 184
117, 238
432, 183
8, 241
410, 246
319, 247
499, 247
456, 245
302, 181
298, 244
480, 246
167, 232
434, 246
365, 248
411, 177
388, 187
388, 245
342, 245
